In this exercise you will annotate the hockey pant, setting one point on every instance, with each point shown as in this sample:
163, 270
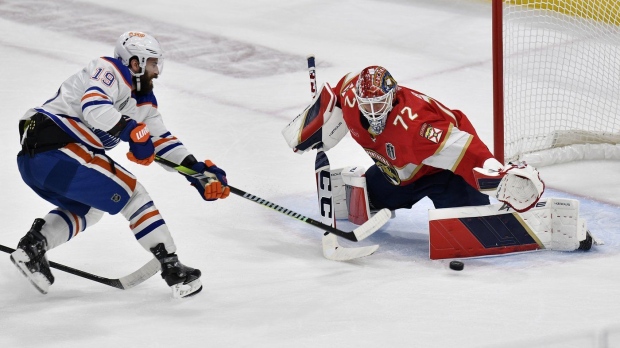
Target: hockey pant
445, 189
83, 185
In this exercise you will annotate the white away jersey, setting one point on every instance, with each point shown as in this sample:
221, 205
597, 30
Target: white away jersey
92, 101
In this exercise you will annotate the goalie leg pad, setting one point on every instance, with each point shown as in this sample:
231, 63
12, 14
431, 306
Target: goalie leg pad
356, 194
339, 196
553, 224
557, 224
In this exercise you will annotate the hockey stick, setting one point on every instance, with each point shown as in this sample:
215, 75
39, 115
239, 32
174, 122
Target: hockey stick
127, 282
332, 250
363, 231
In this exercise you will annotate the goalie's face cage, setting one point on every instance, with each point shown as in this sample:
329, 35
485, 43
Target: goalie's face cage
376, 110
374, 92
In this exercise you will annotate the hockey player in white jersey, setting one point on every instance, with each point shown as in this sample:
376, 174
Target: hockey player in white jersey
63, 160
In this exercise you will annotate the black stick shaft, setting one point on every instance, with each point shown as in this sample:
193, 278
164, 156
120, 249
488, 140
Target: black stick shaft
107, 281
188, 172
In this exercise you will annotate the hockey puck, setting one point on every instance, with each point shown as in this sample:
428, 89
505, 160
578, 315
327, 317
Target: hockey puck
457, 265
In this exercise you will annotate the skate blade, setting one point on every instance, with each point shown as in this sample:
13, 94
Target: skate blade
186, 290
38, 280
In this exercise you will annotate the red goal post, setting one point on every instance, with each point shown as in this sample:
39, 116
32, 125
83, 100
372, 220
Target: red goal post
556, 80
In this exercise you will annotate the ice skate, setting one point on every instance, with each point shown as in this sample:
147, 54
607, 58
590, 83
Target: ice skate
30, 259
184, 281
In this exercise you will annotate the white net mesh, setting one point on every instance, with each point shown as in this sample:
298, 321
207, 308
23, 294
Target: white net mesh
561, 78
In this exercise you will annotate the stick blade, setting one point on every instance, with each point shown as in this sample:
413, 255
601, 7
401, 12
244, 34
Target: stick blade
373, 224
145, 272
333, 251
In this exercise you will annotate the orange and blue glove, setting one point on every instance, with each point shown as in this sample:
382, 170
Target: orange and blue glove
141, 149
215, 187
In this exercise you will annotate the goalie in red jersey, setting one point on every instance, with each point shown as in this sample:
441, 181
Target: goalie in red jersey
420, 147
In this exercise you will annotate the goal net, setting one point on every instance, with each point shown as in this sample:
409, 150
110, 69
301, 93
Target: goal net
557, 80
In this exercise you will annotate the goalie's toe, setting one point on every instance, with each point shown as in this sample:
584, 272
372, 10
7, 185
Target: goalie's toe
586, 244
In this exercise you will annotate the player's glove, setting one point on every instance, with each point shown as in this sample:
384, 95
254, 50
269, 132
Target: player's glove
215, 186
516, 184
521, 186
141, 149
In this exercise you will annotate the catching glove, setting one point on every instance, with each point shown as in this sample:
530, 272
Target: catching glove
215, 186
516, 184
141, 149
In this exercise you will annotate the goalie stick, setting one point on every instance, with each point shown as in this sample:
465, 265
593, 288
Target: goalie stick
332, 250
360, 233
127, 282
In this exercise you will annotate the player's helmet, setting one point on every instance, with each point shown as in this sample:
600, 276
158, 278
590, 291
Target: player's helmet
141, 45
374, 92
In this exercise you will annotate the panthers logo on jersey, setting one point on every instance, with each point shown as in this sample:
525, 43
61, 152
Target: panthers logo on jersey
386, 167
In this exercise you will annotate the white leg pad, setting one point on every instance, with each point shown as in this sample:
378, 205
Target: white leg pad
556, 223
339, 196
356, 194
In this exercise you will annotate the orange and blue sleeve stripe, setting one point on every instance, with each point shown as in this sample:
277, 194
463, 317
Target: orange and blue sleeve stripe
165, 143
94, 96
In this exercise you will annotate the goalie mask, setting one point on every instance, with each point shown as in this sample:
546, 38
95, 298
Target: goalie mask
374, 92
142, 46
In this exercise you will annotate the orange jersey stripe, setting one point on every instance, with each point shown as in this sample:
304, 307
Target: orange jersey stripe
144, 218
77, 224
86, 156
86, 135
164, 140
147, 103
86, 96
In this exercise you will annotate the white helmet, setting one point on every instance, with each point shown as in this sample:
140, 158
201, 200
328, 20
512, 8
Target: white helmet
374, 92
140, 45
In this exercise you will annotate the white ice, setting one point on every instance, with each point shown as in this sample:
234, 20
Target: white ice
234, 77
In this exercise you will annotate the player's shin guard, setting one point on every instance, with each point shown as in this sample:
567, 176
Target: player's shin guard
356, 194
62, 225
145, 221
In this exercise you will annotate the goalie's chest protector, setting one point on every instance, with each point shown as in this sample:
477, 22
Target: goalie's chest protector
412, 133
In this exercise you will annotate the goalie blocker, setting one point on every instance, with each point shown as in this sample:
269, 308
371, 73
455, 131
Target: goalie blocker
553, 224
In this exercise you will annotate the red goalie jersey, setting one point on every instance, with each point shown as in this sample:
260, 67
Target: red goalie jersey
421, 136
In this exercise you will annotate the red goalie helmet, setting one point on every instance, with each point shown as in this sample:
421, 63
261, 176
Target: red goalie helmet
374, 92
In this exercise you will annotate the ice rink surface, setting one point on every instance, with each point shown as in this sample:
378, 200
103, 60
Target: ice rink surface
234, 76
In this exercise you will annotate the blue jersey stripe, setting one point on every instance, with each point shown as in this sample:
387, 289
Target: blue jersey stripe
67, 220
95, 88
125, 73
142, 209
95, 102
150, 228
54, 97
168, 148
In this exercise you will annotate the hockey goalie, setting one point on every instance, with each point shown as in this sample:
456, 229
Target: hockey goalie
421, 148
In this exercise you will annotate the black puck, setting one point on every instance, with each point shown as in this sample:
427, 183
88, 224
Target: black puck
457, 265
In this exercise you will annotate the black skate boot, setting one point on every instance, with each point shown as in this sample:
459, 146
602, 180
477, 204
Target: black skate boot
30, 258
184, 281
